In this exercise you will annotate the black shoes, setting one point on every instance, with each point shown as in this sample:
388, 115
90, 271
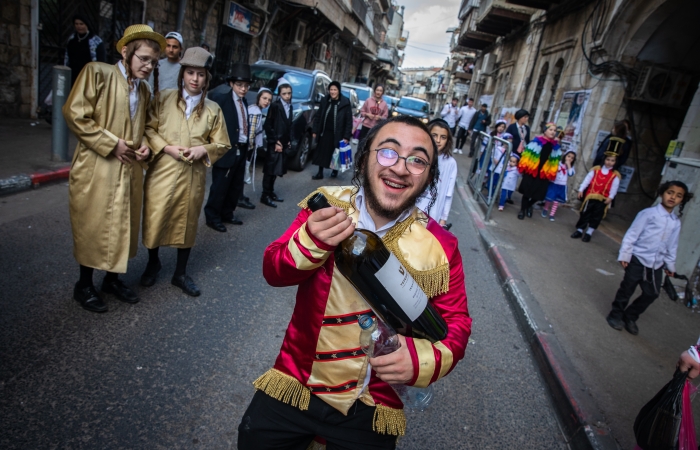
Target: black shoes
631, 327
576, 234
233, 221
447, 226
187, 285
244, 202
150, 275
615, 323
89, 299
318, 176
509, 201
217, 226
119, 290
266, 200
586, 238
529, 212
274, 197
334, 174
521, 215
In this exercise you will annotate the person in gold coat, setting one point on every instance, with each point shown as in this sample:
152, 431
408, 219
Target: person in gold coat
106, 110
187, 133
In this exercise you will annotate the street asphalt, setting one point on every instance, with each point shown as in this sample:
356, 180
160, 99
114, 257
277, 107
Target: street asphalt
175, 372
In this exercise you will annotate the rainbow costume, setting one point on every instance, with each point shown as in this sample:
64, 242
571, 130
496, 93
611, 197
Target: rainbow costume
530, 163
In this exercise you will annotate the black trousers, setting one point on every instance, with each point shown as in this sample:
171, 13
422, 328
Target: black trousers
476, 142
592, 215
461, 137
650, 282
226, 188
270, 424
268, 185
363, 132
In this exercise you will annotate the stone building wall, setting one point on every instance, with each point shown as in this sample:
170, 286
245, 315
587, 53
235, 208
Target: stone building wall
16, 69
163, 14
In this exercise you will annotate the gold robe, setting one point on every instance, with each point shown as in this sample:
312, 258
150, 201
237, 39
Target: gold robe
174, 189
105, 196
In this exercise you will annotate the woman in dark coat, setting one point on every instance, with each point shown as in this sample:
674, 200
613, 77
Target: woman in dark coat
332, 124
83, 47
278, 130
538, 165
616, 142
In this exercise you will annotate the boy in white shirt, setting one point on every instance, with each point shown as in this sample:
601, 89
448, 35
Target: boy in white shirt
649, 245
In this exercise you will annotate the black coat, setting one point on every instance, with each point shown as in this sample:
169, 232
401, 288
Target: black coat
230, 111
513, 129
278, 127
477, 114
333, 133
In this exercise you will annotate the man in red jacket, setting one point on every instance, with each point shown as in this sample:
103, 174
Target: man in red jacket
322, 384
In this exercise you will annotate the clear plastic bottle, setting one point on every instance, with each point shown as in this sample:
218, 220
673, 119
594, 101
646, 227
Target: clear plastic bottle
377, 339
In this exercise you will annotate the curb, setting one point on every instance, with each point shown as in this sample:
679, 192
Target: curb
19, 183
579, 416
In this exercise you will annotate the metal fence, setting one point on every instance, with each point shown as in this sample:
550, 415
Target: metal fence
484, 165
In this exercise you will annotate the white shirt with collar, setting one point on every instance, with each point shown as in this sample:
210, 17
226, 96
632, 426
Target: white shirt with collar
652, 238
242, 138
605, 171
190, 101
133, 93
466, 113
287, 107
449, 114
365, 220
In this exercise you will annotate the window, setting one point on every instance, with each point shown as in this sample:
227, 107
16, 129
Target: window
538, 92
558, 68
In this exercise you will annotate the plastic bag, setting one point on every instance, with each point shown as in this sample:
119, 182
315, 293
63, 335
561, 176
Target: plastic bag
669, 288
335, 160
345, 156
658, 423
686, 440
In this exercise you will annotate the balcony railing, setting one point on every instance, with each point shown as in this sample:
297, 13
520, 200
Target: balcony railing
501, 18
389, 55
470, 37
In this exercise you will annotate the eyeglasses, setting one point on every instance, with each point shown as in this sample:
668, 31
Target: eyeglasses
414, 164
241, 85
147, 61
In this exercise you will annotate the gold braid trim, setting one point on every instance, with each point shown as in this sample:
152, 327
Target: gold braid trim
316, 446
389, 421
284, 388
599, 197
332, 200
434, 281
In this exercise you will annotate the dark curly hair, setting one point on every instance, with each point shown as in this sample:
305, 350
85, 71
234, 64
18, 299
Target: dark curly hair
363, 151
686, 197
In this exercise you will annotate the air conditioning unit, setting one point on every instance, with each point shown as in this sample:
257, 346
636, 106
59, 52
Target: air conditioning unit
298, 33
260, 5
661, 86
319, 51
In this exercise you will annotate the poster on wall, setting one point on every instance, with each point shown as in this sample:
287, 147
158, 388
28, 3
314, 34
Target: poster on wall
242, 19
488, 99
626, 173
508, 114
570, 118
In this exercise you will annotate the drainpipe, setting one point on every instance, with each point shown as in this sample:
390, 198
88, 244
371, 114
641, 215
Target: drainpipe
180, 15
203, 34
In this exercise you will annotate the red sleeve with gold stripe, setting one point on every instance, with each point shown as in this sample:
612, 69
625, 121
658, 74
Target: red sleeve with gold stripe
295, 255
433, 361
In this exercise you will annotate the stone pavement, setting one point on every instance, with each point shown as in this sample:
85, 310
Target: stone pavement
574, 284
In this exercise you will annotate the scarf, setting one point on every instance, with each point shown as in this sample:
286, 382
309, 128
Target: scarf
530, 159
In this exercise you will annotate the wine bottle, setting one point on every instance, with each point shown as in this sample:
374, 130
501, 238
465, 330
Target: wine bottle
384, 283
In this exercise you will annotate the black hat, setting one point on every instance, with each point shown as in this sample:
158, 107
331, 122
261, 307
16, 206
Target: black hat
519, 114
239, 72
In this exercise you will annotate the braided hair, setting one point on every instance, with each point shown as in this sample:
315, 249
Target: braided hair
131, 48
180, 86
687, 196
364, 150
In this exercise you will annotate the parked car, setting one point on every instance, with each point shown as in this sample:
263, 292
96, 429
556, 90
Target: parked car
416, 107
308, 88
352, 96
363, 91
392, 102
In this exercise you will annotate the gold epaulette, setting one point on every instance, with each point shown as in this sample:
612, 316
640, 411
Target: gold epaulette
332, 200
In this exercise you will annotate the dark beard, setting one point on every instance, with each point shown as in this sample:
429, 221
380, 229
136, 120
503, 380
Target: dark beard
376, 207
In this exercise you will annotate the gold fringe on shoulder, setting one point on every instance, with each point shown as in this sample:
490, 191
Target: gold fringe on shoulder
316, 446
433, 282
389, 421
332, 200
284, 388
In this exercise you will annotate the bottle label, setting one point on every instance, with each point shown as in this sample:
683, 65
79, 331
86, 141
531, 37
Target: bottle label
402, 287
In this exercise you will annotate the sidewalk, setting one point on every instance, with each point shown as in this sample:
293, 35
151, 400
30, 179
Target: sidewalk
26, 151
573, 284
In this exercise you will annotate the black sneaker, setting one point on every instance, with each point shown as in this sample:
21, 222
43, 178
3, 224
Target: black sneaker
89, 299
576, 234
187, 285
631, 327
615, 323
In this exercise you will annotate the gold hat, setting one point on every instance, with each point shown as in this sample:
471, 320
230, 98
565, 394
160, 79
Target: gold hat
140, 31
614, 146
197, 57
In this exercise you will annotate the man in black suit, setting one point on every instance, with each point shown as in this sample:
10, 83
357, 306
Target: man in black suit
228, 172
278, 129
520, 131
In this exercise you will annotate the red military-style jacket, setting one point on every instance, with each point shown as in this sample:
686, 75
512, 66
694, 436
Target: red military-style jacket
321, 353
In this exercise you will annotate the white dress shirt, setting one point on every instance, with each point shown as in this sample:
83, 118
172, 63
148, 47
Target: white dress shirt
605, 170
287, 107
466, 113
366, 222
191, 102
133, 93
449, 114
242, 138
445, 190
652, 238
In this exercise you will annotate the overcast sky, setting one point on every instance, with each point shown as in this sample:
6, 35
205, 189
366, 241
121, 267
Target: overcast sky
427, 20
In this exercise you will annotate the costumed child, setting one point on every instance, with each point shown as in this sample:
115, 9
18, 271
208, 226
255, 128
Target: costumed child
538, 166
187, 133
256, 132
278, 129
649, 246
510, 181
498, 160
600, 187
106, 110
557, 191
437, 203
